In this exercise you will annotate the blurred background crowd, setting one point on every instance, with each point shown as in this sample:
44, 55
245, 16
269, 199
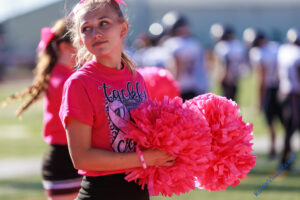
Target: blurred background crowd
203, 44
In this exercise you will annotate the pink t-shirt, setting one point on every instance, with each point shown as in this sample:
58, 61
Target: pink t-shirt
54, 132
102, 97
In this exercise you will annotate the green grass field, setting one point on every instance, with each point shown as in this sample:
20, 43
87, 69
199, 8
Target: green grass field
284, 187
22, 138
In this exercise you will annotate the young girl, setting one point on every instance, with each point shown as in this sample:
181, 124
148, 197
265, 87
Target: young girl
56, 58
96, 103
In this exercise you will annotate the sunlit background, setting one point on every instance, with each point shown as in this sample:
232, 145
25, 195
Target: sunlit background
21, 143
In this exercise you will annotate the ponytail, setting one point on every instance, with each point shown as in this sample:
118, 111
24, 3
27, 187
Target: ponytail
128, 62
46, 61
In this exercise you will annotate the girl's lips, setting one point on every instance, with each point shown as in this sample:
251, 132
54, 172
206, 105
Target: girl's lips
98, 43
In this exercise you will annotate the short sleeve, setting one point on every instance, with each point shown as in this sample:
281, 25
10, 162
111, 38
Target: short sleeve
76, 103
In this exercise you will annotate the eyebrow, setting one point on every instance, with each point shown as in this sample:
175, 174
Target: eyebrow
100, 18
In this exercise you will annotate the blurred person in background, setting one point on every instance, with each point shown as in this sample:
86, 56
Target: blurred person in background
189, 67
153, 53
2, 54
55, 64
155, 63
263, 58
140, 44
232, 57
289, 87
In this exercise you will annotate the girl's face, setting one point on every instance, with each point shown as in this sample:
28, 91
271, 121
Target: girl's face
101, 32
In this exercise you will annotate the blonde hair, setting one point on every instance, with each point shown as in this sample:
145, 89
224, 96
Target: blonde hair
83, 55
46, 60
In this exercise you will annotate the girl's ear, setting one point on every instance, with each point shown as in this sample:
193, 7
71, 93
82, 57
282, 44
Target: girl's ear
124, 29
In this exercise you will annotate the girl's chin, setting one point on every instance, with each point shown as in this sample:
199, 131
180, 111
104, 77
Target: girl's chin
101, 53
104, 52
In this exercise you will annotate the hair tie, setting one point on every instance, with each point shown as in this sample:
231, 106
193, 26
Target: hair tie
81, 2
120, 1
46, 36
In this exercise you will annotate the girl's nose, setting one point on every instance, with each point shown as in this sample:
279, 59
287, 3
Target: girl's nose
97, 33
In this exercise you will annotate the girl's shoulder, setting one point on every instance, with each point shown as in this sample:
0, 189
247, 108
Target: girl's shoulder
80, 77
137, 75
83, 72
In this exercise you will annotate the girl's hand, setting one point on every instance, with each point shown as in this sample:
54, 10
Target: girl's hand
154, 157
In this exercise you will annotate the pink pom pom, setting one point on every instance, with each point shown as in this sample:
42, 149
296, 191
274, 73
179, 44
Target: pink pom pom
170, 126
160, 83
231, 157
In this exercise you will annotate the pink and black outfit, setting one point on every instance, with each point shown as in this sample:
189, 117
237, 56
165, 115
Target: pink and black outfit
102, 97
59, 175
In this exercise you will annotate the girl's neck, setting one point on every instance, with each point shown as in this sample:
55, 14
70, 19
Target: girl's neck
113, 62
66, 60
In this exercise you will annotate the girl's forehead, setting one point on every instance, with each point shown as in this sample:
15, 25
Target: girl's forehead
97, 13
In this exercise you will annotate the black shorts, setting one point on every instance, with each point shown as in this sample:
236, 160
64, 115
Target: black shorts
111, 187
295, 111
187, 95
229, 90
271, 105
59, 175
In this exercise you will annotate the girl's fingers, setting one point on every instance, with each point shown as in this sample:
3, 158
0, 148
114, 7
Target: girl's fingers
169, 163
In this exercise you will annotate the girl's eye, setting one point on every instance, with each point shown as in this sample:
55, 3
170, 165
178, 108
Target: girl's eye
85, 29
103, 23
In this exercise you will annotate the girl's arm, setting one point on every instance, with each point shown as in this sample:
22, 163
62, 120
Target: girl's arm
85, 157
